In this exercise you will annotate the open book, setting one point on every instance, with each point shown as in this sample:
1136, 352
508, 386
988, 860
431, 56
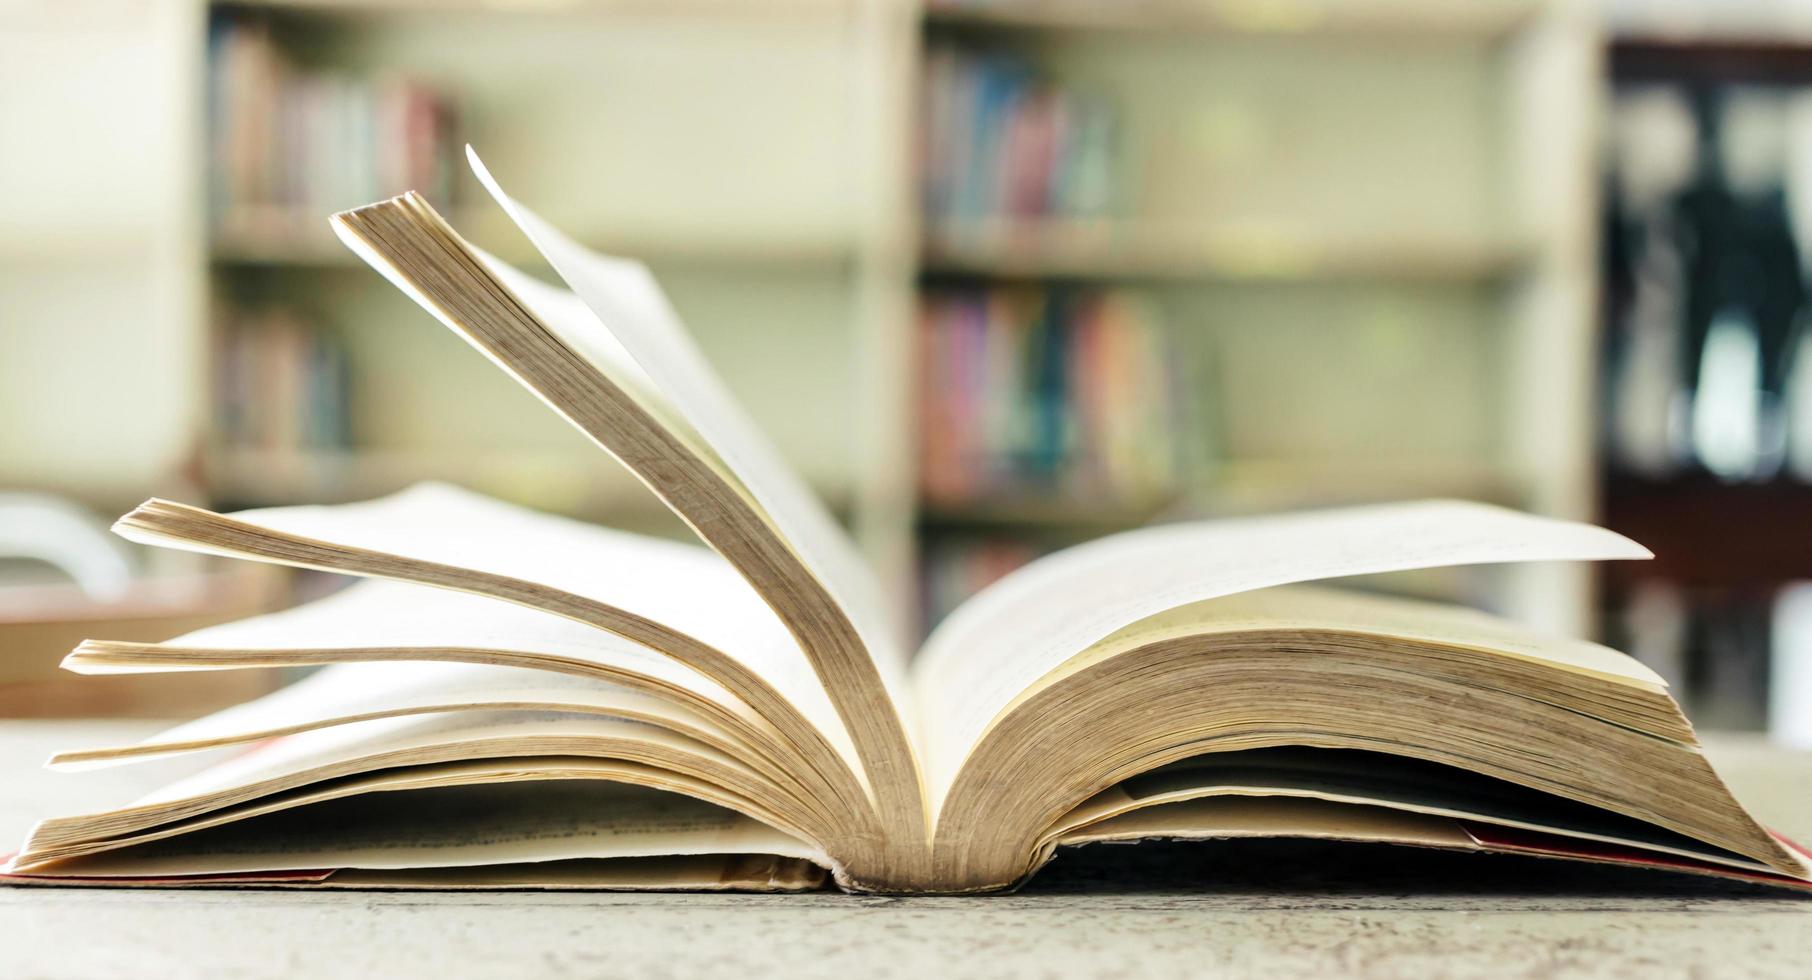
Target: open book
520, 700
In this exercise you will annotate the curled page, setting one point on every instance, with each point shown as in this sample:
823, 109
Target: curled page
624, 297
999, 643
452, 826
778, 539
348, 693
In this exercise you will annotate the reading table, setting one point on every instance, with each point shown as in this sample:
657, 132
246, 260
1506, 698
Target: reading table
1255, 908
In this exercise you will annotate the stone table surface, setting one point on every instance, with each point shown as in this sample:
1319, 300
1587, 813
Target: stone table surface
1253, 908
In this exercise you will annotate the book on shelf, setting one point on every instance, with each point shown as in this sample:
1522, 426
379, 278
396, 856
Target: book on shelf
1002, 144
520, 700
1053, 394
289, 142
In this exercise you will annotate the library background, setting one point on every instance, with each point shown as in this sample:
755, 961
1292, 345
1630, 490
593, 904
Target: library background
997, 275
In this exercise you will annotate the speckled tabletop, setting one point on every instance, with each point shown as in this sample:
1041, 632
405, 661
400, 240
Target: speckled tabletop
1266, 908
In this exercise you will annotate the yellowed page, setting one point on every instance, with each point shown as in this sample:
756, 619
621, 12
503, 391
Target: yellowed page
1371, 779
347, 693
683, 586
1277, 816
307, 753
377, 614
1025, 626
637, 319
696, 471
509, 823
742, 873
309, 758
516, 769
1300, 607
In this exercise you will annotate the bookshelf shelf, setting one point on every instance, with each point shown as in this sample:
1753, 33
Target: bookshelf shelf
1289, 167
1711, 535
1735, 58
1105, 250
1382, 18
762, 157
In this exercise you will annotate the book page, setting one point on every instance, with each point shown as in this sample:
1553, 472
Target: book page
507, 823
1302, 607
1003, 640
414, 747
703, 470
697, 873
301, 758
389, 616
1228, 817
1374, 779
468, 772
353, 692
285, 764
684, 587
640, 321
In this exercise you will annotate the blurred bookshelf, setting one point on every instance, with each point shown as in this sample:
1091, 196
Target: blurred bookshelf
1363, 231
314, 106
1360, 236
1706, 347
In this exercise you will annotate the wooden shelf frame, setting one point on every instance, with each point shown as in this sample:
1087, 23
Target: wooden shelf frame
1548, 56
1392, 19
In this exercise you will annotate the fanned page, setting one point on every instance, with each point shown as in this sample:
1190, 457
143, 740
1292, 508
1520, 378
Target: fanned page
377, 619
456, 826
1008, 637
620, 368
405, 648
681, 601
545, 753
682, 587
639, 320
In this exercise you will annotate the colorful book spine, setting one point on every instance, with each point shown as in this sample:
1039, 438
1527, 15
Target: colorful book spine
1057, 395
1001, 143
312, 142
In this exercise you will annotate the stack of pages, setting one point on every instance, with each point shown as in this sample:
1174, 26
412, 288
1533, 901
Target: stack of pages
519, 700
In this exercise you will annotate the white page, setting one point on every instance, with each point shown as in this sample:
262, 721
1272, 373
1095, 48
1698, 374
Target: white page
686, 587
354, 691
1004, 639
455, 826
1323, 608
379, 614
630, 307
302, 756
1230, 817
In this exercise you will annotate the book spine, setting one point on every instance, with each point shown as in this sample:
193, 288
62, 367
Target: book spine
299, 143
1046, 395
1002, 144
